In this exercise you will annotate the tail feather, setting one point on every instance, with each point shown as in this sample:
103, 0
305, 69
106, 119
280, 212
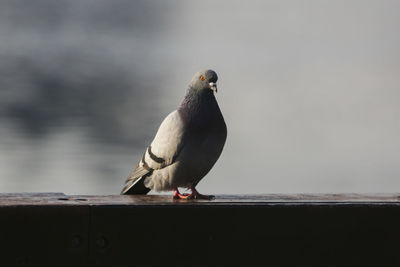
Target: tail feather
135, 187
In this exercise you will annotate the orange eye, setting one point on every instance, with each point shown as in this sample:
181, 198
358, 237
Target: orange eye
202, 78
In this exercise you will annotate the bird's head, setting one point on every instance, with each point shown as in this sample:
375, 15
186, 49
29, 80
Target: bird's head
204, 80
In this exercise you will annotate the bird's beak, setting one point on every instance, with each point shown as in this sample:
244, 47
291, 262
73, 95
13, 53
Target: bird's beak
213, 86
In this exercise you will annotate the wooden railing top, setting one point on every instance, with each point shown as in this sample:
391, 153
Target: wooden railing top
60, 199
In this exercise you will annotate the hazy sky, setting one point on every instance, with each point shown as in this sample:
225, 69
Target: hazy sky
309, 90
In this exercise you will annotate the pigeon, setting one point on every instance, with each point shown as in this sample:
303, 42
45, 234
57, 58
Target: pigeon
187, 145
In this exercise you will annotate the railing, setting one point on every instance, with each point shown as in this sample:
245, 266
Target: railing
53, 229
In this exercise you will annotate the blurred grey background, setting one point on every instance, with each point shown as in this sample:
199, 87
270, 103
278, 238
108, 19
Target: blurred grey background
309, 90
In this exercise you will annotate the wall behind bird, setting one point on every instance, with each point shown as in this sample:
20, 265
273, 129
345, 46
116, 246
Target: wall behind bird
309, 91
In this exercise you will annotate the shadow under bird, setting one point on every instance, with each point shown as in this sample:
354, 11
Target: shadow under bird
186, 146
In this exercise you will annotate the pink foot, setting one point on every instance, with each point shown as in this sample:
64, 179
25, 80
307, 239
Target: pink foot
194, 195
178, 195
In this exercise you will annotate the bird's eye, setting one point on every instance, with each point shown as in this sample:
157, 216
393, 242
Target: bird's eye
202, 77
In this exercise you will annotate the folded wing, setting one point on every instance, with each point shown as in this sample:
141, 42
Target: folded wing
162, 152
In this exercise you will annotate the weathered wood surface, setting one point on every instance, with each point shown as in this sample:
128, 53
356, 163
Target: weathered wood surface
60, 199
53, 229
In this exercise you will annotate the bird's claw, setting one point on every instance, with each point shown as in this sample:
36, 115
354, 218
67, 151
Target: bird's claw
194, 195
178, 195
